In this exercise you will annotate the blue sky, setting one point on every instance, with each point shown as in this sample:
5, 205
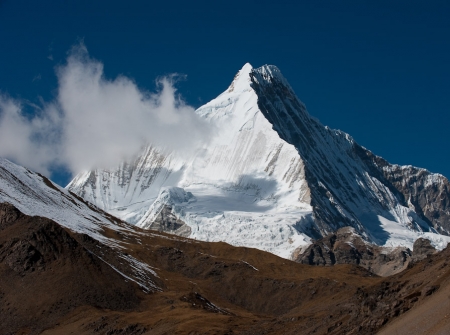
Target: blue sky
378, 70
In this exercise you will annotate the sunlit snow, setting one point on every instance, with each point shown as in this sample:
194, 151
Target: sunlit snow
248, 187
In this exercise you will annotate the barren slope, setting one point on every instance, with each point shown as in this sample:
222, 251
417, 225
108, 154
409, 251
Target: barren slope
51, 280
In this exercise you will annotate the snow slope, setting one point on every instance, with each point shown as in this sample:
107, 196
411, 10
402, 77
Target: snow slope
247, 179
34, 195
271, 178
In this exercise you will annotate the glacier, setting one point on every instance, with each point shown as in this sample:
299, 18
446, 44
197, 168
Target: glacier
272, 177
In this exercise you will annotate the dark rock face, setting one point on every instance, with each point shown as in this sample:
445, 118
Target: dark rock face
349, 185
8, 215
289, 118
346, 247
428, 193
422, 248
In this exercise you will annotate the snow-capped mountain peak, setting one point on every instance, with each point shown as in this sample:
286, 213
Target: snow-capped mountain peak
241, 81
272, 177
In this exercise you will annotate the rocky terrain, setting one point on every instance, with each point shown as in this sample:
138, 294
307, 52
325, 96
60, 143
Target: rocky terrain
347, 247
56, 281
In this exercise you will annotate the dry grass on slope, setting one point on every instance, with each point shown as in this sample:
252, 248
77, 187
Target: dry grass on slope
206, 288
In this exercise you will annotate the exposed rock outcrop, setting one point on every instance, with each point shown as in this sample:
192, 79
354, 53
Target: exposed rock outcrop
350, 186
422, 249
347, 247
426, 193
167, 222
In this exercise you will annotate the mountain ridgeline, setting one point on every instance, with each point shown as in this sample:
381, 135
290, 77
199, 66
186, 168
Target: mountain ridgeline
273, 178
335, 161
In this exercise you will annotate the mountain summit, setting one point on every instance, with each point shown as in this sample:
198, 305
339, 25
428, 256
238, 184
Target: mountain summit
272, 177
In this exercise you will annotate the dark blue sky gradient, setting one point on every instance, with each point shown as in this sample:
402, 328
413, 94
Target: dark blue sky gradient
379, 70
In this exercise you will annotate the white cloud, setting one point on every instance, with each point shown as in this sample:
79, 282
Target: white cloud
96, 122
30, 142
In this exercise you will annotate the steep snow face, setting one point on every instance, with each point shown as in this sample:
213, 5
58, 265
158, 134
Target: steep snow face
246, 155
128, 190
247, 185
428, 194
271, 178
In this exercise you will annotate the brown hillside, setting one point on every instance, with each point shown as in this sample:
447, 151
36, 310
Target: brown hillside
56, 282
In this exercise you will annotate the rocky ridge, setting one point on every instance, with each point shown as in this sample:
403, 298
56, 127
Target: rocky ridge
347, 247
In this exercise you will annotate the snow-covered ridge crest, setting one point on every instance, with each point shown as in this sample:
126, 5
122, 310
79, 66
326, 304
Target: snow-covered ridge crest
247, 177
271, 177
241, 80
35, 195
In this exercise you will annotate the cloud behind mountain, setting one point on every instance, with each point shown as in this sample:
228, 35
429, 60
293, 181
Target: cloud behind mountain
95, 121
